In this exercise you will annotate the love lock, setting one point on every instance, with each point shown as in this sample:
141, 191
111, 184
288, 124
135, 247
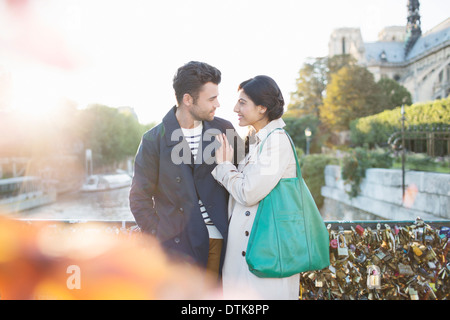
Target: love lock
342, 249
373, 277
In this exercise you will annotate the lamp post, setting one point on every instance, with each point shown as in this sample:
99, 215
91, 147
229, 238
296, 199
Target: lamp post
403, 152
89, 169
308, 139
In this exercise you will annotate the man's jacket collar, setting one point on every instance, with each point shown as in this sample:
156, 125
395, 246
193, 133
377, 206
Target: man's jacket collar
174, 135
171, 125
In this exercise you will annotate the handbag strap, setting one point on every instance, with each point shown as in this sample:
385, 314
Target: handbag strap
299, 174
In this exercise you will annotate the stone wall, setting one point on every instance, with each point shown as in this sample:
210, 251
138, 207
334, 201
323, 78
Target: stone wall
427, 194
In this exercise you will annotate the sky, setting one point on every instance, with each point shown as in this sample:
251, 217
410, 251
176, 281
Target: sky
125, 52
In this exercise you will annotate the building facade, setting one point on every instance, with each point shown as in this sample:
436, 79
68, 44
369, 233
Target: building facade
420, 62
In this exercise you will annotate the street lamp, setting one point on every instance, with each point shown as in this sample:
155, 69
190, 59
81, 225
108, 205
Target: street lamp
308, 139
403, 151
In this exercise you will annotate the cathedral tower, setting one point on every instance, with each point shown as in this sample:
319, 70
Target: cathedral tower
413, 29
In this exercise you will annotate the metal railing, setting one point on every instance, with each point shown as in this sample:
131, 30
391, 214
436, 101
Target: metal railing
434, 141
411, 259
335, 224
433, 136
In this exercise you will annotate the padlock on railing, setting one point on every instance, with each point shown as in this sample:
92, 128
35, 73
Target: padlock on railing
333, 241
444, 232
373, 277
384, 261
359, 230
342, 249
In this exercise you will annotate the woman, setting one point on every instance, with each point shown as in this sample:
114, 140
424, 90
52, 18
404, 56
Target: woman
260, 106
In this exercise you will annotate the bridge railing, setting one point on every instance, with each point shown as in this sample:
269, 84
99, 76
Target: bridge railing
370, 259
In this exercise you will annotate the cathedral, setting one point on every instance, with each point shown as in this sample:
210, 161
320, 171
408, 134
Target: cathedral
420, 62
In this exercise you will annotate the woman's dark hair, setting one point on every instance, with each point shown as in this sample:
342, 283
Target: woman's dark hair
192, 76
264, 91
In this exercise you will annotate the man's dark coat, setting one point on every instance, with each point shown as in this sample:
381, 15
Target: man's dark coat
164, 193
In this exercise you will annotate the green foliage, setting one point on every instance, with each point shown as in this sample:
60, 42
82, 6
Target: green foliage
59, 139
337, 91
310, 87
419, 160
337, 62
296, 129
355, 164
432, 113
312, 167
376, 129
311, 83
423, 162
351, 94
394, 93
111, 135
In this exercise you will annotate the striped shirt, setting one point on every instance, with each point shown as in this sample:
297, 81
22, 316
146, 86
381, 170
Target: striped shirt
193, 137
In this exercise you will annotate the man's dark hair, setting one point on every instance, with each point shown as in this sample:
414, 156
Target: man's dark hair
192, 76
264, 91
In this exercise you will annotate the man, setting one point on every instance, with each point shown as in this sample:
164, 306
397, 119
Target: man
173, 195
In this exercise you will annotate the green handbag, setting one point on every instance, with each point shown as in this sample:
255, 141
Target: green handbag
288, 234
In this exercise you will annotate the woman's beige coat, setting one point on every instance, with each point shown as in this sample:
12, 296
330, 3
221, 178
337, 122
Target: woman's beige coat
257, 174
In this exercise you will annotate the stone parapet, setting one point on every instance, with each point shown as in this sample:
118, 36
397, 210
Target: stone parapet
427, 193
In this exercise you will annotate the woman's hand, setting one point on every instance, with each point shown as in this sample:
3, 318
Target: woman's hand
225, 151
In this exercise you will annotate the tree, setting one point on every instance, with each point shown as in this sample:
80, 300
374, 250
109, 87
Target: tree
351, 94
311, 84
337, 62
112, 136
296, 129
394, 93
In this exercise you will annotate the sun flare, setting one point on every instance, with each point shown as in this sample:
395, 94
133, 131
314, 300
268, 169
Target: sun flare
36, 92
